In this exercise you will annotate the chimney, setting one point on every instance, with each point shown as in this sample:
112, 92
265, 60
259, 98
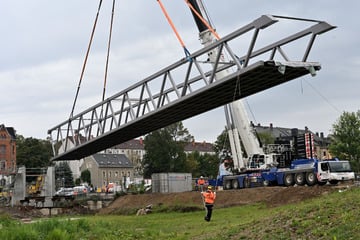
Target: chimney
141, 141
294, 132
321, 135
271, 126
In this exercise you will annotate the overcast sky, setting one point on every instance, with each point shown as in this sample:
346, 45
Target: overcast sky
43, 45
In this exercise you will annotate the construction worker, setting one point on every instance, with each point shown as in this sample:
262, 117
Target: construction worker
209, 199
201, 183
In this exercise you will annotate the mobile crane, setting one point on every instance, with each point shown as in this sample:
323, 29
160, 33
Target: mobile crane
261, 168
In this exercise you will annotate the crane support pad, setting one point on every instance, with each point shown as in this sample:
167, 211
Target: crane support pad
247, 81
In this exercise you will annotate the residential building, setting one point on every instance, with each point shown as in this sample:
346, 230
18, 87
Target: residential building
201, 147
7, 150
109, 168
134, 150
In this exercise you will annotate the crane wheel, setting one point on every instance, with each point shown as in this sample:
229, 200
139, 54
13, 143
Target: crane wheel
227, 184
288, 179
235, 184
310, 179
266, 183
300, 179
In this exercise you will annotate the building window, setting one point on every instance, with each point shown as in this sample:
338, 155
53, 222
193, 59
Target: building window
116, 174
2, 164
2, 149
104, 174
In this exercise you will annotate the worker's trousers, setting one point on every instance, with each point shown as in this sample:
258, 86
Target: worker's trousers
209, 208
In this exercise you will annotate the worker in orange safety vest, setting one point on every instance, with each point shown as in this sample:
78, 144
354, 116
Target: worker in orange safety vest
201, 183
209, 199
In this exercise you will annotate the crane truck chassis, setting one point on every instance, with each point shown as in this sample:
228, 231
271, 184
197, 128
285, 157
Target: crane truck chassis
302, 171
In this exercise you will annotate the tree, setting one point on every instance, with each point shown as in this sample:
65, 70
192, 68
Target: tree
32, 152
207, 164
222, 142
192, 163
266, 138
345, 142
165, 150
63, 175
86, 176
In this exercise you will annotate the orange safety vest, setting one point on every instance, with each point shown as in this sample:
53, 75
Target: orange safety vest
209, 197
201, 181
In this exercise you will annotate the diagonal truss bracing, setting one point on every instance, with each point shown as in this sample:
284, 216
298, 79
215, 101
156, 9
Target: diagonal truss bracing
186, 88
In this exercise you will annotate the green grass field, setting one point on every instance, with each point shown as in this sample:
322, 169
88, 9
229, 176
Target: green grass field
335, 216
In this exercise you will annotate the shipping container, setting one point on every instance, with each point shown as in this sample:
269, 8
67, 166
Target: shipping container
171, 182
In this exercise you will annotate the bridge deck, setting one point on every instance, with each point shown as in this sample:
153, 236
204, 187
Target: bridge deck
253, 79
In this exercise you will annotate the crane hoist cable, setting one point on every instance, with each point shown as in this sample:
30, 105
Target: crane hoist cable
108, 49
86, 57
204, 11
187, 53
203, 20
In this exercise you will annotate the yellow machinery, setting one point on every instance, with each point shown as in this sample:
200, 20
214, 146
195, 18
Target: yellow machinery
35, 189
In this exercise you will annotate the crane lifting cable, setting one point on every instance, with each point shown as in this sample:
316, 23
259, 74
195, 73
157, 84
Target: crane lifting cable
203, 10
108, 49
203, 20
85, 60
187, 53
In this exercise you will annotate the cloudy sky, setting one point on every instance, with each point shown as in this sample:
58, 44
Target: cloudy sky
43, 45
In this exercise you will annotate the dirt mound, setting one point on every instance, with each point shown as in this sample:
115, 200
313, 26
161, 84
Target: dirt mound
271, 196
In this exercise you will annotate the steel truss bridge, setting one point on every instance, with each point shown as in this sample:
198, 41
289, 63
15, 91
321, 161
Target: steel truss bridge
187, 88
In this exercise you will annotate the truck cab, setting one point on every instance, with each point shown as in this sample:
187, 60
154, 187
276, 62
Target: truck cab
329, 170
334, 171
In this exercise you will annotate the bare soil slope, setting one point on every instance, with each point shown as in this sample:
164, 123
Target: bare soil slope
271, 196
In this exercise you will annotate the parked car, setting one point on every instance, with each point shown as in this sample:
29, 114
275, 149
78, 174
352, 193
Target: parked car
65, 192
80, 190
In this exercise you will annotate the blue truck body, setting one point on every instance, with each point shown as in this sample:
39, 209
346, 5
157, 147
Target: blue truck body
301, 172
